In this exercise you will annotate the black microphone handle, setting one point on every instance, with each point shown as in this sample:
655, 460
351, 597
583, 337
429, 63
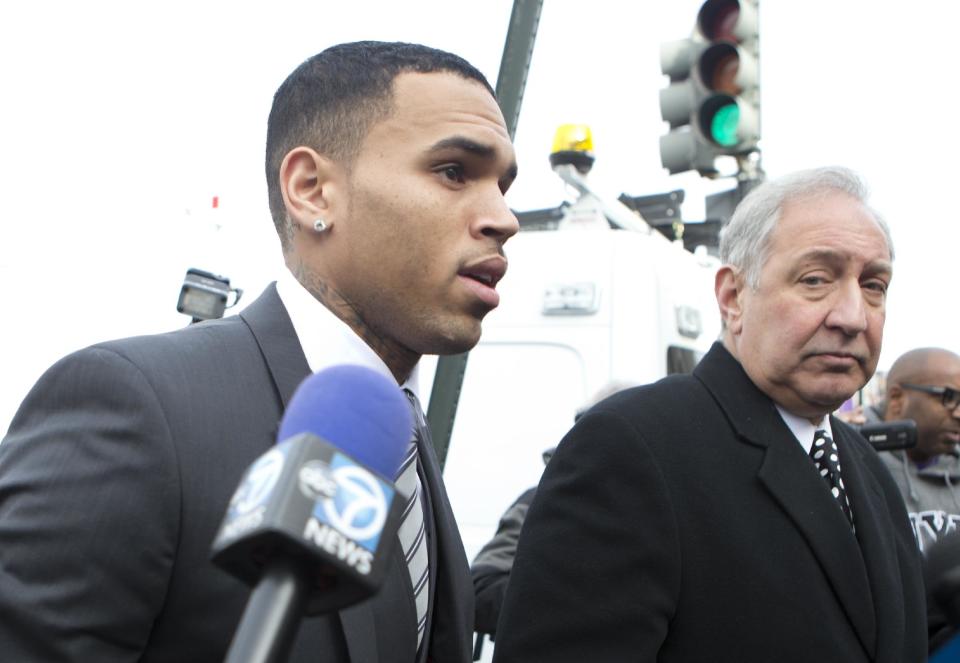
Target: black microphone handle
272, 616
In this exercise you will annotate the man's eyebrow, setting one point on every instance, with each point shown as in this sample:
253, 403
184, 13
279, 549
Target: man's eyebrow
821, 255
879, 268
465, 144
834, 257
473, 147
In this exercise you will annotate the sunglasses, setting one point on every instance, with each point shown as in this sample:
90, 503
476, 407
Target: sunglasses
949, 396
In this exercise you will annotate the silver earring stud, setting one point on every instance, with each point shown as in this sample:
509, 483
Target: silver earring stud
319, 225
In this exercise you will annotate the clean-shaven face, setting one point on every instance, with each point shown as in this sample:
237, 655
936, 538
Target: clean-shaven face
809, 336
427, 218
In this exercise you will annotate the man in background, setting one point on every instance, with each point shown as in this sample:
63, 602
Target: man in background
725, 515
386, 167
924, 385
491, 567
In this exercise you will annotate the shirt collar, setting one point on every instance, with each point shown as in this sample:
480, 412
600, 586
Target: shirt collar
802, 429
326, 339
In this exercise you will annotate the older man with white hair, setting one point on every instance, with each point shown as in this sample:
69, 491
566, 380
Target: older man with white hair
726, 515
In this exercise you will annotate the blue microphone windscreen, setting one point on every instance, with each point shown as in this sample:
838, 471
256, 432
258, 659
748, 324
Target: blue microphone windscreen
357, 410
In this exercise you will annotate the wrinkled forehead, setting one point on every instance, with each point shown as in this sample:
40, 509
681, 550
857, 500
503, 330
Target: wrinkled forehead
834, 224
833, 210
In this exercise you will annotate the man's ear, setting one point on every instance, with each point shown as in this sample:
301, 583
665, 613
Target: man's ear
728, 286
310, 185
896, 402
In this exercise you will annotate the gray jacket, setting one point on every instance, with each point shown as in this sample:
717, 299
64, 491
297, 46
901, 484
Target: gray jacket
930, 494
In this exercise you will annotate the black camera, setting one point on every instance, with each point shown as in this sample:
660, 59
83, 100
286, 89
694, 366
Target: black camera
890, 435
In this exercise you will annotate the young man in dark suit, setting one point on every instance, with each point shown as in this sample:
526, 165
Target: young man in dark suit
386, 167
726, 515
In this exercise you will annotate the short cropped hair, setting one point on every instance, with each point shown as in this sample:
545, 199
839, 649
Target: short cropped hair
332, 99
745, 240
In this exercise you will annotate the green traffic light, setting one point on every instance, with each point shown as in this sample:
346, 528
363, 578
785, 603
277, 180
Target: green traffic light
723, 126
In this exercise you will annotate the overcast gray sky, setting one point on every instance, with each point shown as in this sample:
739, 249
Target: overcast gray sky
121, 120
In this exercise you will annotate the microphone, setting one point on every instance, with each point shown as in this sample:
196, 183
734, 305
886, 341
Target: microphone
314, 519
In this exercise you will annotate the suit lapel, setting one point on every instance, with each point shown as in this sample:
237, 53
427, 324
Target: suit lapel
430, 524
270, 324
793, 482
358, 631
450, 617
271, 327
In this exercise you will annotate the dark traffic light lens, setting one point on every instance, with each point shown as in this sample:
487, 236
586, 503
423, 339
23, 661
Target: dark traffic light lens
718, 20
718, 68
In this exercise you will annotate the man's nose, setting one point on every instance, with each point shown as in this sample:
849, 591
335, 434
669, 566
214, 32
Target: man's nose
955, 411
495, 218
849, 310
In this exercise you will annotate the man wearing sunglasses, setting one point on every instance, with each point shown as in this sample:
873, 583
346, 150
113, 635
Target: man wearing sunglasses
924, 385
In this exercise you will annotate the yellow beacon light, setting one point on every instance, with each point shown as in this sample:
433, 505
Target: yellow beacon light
573, 145
573, 138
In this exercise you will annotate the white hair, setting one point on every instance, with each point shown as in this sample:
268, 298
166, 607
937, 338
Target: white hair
745, 240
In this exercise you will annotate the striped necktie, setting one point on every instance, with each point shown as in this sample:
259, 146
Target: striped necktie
412, 532
827, 459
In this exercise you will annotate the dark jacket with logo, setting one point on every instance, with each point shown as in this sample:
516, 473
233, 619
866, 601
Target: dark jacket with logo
930, 494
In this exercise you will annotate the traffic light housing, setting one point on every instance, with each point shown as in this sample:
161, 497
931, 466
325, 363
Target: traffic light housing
713, 100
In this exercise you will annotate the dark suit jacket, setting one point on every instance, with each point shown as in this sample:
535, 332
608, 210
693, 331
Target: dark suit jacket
115, 475
682, 522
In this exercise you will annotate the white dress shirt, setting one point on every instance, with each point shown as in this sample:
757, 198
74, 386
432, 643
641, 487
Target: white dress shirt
803, 430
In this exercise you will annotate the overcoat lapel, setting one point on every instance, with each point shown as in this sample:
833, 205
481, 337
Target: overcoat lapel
874, 532
794, 483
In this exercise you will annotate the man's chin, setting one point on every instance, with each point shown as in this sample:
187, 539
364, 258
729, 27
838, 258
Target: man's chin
455, 340
821, 403
834, 392
947, 445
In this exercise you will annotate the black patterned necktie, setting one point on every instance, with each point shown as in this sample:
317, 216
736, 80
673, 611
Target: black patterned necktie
827, 459
412, 532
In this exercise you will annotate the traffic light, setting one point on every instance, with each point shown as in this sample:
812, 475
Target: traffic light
713, 100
